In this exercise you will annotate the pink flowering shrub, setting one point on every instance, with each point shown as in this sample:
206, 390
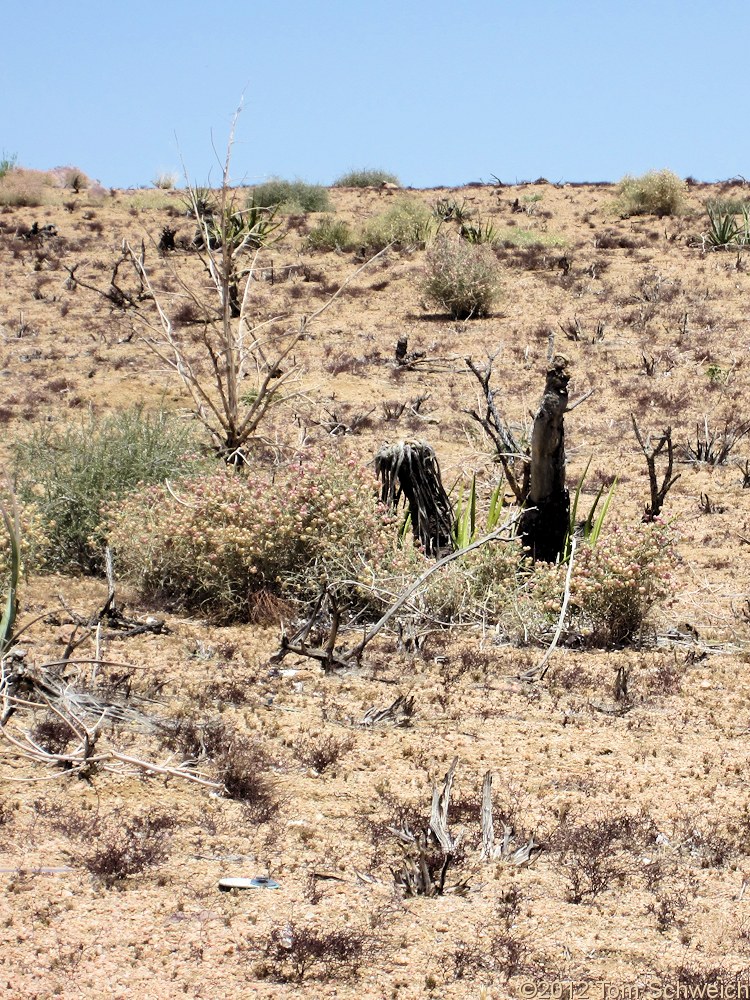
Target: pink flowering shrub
617, 583
231, 535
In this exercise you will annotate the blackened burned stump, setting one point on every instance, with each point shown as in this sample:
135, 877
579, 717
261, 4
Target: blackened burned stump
544, 524
411, 470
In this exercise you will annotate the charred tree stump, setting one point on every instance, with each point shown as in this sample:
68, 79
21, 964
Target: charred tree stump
411, 470
544, 524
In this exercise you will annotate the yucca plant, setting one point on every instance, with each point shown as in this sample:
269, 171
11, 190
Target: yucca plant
465, 529
591, 526
482, 232
724, 229
451, 210
10, 520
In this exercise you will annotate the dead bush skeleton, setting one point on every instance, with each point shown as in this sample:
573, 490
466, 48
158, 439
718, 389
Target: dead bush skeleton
233, 351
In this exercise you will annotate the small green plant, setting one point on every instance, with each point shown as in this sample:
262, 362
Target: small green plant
717, 375
8, 162
725, 232
330, 234
591, 526
13, 530
407, 225
465, 529
291, 196
451, 210
366, 177
658, 192
479, 232
461, 278
67, 473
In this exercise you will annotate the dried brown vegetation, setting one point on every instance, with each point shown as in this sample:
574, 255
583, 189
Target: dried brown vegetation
626, 766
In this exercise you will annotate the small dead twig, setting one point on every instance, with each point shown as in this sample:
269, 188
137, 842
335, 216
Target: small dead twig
523, 855
537, 673
713, 447
398, 713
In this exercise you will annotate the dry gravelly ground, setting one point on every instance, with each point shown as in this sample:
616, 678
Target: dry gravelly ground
671, 902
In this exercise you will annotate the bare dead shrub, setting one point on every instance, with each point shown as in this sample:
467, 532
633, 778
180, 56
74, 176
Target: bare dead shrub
598, 854
319, 751
126, 846
294, 951
53, 734
667, 909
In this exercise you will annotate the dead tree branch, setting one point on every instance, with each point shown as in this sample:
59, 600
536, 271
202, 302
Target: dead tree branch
651, 453
508, 451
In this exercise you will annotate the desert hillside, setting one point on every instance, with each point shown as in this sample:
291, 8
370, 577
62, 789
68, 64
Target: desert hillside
149, 750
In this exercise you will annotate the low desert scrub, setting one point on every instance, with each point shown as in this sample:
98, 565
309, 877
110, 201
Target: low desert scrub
291, 196
223, 537
515, 237
407, 225
239, 762
461, 278
601, 853
73, 178
64, 475
165, 180
451, 210
120, 846
617, 582
366, 177
658, 192
295, 951
492, 952
319, 751
330, 234
24, 188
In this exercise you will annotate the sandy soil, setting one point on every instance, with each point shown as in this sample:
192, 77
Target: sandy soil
674, 905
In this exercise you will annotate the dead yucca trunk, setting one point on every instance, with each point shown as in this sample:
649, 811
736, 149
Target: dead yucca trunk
410, 469
544, 524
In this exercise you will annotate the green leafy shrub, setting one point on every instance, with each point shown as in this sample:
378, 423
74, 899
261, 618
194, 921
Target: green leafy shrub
330, 234
291, 196
658, 192
461, 278
234, 538
367, 177
408, 224
65, 474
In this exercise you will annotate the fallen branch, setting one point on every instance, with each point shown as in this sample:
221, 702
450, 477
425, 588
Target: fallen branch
348, 658
537, 673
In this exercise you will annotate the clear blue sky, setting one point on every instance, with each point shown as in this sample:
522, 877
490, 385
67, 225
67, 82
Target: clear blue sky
438, 92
